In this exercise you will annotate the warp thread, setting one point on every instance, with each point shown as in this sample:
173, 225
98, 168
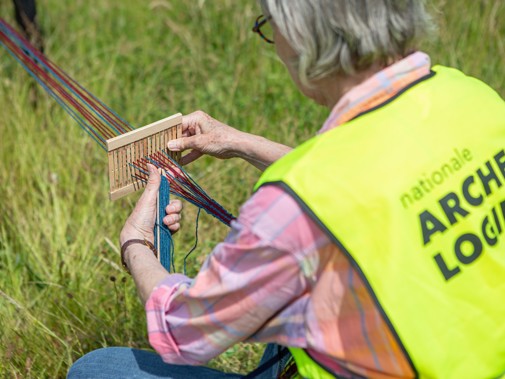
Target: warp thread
102, 123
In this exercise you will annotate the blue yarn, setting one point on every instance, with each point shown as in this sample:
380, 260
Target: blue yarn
163, 237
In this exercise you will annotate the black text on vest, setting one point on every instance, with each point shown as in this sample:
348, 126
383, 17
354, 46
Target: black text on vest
458, 205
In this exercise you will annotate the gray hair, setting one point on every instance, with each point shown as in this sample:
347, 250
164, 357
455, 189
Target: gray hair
347, 36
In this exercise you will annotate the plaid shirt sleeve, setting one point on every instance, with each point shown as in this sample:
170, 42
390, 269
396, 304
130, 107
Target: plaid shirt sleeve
247, 282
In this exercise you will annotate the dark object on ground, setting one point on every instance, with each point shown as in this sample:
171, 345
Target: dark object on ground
26, 17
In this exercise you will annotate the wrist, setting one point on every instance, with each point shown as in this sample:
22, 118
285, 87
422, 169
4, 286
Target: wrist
131, 234
240, 143
133, 247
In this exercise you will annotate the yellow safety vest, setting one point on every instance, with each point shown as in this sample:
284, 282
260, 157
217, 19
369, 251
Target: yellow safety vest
413, 192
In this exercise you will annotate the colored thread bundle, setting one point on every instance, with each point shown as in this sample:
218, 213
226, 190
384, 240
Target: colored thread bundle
92, 115
181, 184
102, 123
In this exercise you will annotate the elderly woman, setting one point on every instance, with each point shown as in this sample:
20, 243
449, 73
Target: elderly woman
373, 250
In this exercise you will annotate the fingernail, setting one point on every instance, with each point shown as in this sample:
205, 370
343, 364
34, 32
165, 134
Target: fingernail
151, 168
172, 145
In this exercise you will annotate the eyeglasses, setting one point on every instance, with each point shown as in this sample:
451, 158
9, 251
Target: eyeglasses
262, 22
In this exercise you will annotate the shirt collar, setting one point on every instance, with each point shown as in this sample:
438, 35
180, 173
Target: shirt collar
379, 88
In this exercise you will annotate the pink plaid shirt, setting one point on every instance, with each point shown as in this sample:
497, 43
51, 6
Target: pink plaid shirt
278, 278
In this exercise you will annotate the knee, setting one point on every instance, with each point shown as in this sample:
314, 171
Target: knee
98, 363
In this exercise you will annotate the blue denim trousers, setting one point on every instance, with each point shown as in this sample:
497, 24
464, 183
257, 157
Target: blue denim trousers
123, 362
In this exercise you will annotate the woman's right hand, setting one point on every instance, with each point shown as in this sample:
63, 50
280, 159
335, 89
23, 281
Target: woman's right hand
205, 135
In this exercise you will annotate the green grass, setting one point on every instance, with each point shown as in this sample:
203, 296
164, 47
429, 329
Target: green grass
62, 293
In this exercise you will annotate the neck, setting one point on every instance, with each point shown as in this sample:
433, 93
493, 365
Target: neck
333, 88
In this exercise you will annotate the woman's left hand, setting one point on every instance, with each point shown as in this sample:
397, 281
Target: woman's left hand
140, 224
173, 215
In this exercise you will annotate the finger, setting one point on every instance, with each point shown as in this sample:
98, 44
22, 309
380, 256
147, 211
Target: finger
193, 155
190, 124
175, 171
150, 194
174, 227
172, 219
175, 206
181, 144
193, 120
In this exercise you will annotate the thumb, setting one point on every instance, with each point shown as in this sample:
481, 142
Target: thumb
185, 143
150, 194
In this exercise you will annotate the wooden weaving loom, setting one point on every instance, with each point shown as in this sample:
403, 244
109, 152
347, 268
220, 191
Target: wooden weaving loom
125, 150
